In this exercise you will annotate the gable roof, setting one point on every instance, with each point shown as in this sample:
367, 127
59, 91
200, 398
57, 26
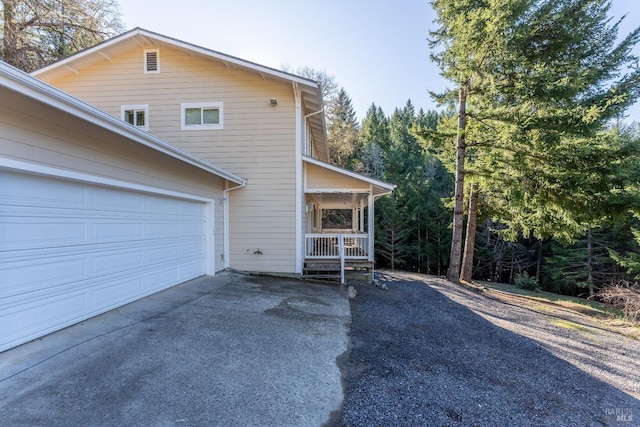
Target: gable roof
379, 188
22, 84
310, 89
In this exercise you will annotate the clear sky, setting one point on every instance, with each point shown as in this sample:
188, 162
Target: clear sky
376, 49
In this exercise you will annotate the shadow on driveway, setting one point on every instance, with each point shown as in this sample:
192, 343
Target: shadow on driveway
228, 350
425, 354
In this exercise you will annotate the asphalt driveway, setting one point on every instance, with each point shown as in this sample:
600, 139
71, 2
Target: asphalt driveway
225, 350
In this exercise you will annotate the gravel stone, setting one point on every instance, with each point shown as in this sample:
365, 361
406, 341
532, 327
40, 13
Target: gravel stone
426, 352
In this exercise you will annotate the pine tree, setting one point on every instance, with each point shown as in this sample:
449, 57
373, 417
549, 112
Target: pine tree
343, 131
530, 106
374, 134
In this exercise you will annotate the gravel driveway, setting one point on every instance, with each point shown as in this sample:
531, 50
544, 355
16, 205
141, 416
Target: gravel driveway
429, 353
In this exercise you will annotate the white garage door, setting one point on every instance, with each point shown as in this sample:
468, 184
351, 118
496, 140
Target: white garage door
70, 250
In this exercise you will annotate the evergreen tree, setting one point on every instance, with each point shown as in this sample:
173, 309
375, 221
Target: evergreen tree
530, 106
343, 131
374, 134
391, 232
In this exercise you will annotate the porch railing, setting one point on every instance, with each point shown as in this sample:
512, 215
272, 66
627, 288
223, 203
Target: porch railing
336, 246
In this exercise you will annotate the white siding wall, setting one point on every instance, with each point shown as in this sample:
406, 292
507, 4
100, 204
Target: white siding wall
257, 141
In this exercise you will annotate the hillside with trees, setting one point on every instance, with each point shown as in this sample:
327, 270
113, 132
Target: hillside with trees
527, 174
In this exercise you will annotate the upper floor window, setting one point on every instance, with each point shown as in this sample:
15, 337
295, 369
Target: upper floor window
201, 115
137, 115
151, 61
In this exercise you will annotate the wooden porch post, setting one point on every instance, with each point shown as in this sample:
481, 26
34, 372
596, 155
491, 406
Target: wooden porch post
354, 218
361, 219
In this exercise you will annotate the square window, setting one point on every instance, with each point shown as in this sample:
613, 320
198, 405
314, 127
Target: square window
192, 116
201, 115
210, 116
136, 115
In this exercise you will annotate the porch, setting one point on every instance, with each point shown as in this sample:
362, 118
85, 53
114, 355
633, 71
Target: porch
341, 245
337, 255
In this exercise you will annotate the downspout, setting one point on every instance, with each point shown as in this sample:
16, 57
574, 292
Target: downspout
299, 120
225, 200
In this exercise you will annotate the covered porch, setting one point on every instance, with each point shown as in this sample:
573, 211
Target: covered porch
340, 208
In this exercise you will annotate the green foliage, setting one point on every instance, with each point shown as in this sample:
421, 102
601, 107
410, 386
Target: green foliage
630, 261
411, 225
533, 109
343, 131
524, 281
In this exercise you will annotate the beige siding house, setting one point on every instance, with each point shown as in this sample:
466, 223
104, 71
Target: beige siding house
146, 161
262, 124
94, 213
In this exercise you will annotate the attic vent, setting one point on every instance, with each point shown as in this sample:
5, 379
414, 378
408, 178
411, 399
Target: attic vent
152, 61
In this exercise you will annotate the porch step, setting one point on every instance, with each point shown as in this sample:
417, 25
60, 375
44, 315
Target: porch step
331, 277
329, 269
322, 270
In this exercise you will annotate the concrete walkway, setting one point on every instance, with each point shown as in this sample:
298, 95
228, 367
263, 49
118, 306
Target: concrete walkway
228, 350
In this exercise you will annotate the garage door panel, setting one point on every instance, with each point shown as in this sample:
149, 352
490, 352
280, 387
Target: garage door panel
156, 230
24, 277
189, 209
114, 200
116, 292
190, 270
41, 316
61, 262
162, 206
25, 233
110, 263
114, 231
31, 190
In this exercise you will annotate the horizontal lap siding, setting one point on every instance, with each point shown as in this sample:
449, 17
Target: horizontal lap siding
321, 178
257, 142
53, 145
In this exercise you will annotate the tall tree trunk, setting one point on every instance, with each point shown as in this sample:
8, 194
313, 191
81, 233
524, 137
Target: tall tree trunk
470, 240
498, 252
453, 274
539, 261
590, 261
393, 250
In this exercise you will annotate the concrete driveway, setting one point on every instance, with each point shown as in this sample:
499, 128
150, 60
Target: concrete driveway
228, 350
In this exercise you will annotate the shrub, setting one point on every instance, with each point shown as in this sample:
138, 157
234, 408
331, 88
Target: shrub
524, 281
623, 297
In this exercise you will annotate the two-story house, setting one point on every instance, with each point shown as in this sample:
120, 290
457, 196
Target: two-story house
146, 161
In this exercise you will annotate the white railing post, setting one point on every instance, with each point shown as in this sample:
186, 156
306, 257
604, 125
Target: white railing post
341, 253
331, 246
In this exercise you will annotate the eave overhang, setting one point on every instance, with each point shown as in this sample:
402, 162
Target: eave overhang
376, 187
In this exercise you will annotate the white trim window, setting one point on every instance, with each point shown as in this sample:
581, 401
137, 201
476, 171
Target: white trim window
201, 115
151, 61
136, 115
